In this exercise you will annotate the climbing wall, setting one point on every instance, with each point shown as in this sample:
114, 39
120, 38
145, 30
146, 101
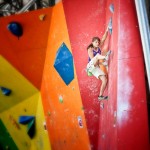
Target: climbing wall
60, 91
126, 113
27, 54
86, 22
131, 93
47, 100
22, 120
122, 121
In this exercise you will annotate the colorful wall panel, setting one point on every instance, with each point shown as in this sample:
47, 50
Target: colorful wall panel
12, 79
27, 54
24, 100
22, 62
29, 107
53, 104
62, 102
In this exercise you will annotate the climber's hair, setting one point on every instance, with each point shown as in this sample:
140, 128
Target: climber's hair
93, 39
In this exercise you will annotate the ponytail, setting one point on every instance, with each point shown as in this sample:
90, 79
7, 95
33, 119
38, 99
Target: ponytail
90, 46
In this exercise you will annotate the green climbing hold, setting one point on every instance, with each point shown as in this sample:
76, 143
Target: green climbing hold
61, 99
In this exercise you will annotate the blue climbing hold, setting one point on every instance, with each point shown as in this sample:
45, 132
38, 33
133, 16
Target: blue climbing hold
5, 91
15, 28
30, 121
25, 119
64, 64
111, 8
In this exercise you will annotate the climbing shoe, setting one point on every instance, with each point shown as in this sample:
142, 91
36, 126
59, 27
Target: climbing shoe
102, 97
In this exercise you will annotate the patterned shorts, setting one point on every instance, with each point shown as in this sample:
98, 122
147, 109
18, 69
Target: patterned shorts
95, 70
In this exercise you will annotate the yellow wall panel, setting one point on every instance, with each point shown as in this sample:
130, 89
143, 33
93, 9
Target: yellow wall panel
41, 140
12, 79
29, 107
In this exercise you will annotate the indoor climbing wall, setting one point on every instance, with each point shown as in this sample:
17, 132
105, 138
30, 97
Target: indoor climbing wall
47, 100
94, 24
62, 102
122, 121
131, 103
27, 54
22, 56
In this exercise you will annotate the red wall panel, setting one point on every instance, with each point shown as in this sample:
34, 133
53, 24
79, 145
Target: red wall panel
113, 129
86, 19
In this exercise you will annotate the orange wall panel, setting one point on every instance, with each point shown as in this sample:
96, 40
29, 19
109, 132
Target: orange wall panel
62, 118
26, 54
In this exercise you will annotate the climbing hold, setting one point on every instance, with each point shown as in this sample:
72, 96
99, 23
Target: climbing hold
49, 113
42, 17
5, 91
25, 119
111, 8
60, 99
30, 121
64, 64
80, 123
31, 128
110, 25
14, 122
44, 124
15, 28
82, 107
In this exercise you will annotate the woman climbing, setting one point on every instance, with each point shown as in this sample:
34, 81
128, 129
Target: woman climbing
94, 53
